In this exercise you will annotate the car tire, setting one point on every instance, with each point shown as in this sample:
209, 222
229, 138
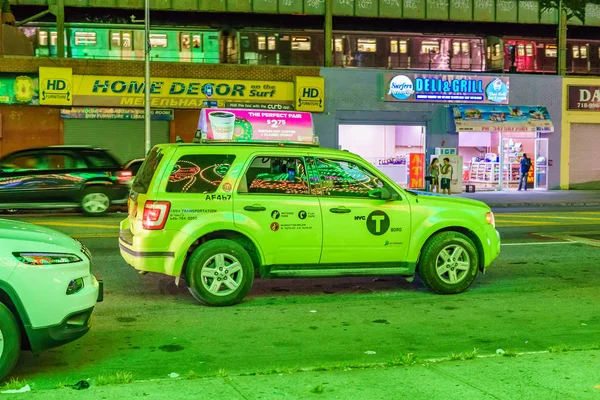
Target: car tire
10, 341
220, 273
449, 263
95, 201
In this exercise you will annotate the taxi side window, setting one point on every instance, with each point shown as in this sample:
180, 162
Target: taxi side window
199, 173
276, 175
346, 179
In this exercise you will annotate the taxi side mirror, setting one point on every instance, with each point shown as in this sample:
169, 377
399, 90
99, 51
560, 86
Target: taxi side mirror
383, 194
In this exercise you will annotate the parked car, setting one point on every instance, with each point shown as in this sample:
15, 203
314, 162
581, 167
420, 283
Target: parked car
215, 213
47, 290
131, 168
62, 177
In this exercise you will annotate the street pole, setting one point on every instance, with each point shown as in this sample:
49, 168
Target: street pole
60, 28
147, 78
328, 33
562, 40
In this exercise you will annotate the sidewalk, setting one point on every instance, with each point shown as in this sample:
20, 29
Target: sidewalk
535, 198
569, 375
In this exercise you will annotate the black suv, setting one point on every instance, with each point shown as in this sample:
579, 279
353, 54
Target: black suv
62, 177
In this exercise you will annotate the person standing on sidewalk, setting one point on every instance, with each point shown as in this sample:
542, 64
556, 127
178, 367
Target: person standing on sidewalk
525, 166
434, 173
446, 171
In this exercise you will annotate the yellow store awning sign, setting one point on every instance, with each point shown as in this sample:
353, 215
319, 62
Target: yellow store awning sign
56, 86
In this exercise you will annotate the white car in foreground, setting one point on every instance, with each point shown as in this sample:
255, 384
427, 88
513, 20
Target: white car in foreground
47, 290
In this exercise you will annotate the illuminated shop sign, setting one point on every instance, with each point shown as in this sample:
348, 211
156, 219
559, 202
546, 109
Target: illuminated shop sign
442, 88
583, 98
114, 113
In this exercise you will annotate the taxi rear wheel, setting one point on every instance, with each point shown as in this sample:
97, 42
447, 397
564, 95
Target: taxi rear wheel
220, 273
448, 263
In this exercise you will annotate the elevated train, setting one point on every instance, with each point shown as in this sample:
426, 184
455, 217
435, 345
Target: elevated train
255, 46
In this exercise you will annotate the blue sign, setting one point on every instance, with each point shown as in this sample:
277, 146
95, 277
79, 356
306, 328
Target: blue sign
209, 90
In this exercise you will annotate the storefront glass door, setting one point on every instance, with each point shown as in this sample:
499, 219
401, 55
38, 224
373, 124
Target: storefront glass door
540, 163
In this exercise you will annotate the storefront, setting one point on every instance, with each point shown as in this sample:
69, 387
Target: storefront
581, 124
476, 121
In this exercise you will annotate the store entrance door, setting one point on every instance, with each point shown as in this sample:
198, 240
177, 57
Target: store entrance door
540, 163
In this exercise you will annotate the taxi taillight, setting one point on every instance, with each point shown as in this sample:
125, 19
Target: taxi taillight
155, 214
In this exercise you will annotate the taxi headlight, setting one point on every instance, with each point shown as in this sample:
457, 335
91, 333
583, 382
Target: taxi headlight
46, 258
490, 219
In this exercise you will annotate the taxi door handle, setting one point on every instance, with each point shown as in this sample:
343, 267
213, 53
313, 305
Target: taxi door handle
340, 210
255, 208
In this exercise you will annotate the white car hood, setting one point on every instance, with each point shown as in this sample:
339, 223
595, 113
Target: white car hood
30, 237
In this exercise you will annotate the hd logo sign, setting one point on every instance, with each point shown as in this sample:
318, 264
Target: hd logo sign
310, 93
56, 86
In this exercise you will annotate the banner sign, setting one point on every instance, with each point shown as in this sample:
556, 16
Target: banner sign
56, 86
417, 170
583, 98
19, 89
502, 119
115, 113
443, 88
250, 125
310, 93
260, 106
124, 91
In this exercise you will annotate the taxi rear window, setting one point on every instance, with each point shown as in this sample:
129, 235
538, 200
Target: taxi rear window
199, 173
147, 170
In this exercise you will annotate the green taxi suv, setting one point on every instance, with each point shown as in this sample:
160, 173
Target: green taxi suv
217, 214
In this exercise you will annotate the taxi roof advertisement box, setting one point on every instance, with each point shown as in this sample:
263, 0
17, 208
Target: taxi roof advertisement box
442, 88
256, 125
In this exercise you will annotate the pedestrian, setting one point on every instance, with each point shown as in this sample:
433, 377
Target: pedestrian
434, 173
446, 171
525, 167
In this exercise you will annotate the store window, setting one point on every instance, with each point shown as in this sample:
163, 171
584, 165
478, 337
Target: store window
346, 179
575, 51
43, 38
551, 51
529, 50
275, 175
300, 43
199, 173
186, 43
366, 45
403, 46
158, 40
272, 43
393, 46
430, 47
115, 39
338, 45
521, 50
85, 39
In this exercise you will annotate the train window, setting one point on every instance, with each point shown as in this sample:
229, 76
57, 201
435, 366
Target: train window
115, 39
489, 52
430, 47
466, 48
520, 50
185, 41
262, 43
300, 43
529, 50
403, 45
575, 51
43, 38
338, 45
393, 46
583, 51
366, 45
271, 43
455, 48
551, 51
158, 39
53, 38
196, 42
496, 50
85, 38
126, 40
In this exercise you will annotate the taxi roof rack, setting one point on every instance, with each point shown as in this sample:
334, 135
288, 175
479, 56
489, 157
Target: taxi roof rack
273, 143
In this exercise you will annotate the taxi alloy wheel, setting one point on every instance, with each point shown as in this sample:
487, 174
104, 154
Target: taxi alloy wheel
10, 341
448, 263
95, 202
220, 273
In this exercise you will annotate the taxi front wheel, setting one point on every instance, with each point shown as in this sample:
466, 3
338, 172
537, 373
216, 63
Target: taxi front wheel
220, 273
448, 263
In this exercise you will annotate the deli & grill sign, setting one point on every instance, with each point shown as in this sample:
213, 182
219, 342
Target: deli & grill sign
583, 98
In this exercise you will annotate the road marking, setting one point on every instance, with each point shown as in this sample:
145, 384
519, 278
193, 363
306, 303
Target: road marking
94, 235
538, 243
75, 224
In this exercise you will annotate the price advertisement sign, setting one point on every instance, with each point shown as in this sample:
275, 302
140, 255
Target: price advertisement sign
256, 125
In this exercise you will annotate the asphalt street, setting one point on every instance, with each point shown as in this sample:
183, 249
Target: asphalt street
541, 294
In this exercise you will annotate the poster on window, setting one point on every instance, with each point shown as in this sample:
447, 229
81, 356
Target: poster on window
417, 171
242, 125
